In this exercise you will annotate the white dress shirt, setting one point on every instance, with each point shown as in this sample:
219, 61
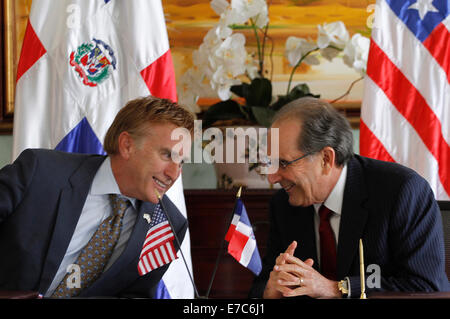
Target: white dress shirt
334, 203
96, 209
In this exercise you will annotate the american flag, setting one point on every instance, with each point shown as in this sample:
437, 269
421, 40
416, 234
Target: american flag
405, 116
158, 249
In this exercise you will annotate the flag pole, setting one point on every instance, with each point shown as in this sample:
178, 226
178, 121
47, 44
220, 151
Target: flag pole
219, 256
178, 243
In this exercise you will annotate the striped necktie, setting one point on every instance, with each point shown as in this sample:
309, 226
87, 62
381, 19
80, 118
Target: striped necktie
95, 255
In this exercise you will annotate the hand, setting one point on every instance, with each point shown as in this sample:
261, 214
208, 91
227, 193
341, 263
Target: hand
297, 278
271, 291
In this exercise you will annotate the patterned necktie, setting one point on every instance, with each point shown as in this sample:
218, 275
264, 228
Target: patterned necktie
95, 255
327, 244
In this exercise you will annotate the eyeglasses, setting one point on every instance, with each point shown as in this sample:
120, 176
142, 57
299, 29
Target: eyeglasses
283, 163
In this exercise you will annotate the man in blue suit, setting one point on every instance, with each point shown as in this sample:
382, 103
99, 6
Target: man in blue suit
52, 203
330, 199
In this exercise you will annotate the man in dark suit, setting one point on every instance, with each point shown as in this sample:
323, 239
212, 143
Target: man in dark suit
330, 200
52, 203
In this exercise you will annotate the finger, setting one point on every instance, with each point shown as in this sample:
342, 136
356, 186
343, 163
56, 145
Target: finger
309, 262
285, 276
294, 269
291, 248
292, 291
281, 259
298, 261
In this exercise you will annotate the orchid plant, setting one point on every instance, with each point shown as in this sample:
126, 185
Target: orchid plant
222, 66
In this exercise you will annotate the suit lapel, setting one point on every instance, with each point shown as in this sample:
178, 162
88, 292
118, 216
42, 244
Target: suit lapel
301, 225
353, 218
71, 202
128, 258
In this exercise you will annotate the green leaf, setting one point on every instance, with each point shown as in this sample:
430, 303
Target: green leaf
226, 110
260, 94
257, 93
300, 90
263, 115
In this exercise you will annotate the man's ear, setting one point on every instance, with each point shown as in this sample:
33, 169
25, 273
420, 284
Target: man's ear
125, 145
328, 158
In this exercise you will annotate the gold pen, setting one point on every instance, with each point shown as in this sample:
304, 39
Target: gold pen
361, 270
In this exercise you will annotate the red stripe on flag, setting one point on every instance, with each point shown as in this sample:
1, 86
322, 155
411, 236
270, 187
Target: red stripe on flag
32, 50
411, 104
370, 145
438, 43
230, 232
237, 244
160, 77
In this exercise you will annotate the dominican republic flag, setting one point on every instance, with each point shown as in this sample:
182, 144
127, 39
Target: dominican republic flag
405, 116
241, 241
158, 249
81, 62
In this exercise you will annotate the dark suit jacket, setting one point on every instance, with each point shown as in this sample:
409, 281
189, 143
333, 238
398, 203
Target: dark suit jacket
41, 198
391, 208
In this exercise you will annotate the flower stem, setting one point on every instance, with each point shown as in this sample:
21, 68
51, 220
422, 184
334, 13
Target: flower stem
295, 68
348, 90
260, 59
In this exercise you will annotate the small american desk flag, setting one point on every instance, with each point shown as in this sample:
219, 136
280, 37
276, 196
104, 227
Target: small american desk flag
158, 249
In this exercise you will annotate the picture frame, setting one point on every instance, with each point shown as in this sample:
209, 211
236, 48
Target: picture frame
13, 20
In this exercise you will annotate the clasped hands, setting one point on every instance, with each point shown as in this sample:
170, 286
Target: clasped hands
293, 277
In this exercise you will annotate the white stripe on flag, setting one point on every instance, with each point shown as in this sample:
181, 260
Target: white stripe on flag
244, 229
427, 75
247, 252
153, 262
385, 121
164, 254
156, 242
170, 251
158, 257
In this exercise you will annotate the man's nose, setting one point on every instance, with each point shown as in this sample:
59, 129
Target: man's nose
173, 170
274, 178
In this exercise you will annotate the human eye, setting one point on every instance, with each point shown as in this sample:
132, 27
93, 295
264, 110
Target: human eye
283, 163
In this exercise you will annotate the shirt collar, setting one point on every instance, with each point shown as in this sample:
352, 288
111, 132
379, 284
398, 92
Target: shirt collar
336, 197
104, 182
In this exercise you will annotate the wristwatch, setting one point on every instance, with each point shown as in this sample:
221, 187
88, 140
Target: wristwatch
343, 287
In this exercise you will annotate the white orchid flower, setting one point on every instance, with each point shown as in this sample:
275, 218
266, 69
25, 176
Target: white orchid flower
334, 34
222, 80
231, 54
356, 53
251, 66
189, 89
296, 48
262, 18
219, 6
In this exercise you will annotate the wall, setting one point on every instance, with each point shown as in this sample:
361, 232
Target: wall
5, 149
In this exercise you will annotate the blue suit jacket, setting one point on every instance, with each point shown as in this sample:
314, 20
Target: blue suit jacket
42, 195
391, 208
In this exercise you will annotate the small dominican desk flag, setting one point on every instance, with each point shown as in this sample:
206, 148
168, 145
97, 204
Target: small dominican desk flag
242, 243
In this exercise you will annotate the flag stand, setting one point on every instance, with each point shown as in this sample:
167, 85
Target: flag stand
238, 195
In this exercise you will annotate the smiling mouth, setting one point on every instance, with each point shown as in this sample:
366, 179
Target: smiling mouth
287, 188
161, 185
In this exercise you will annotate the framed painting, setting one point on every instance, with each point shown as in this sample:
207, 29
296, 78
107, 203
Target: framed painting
14, 16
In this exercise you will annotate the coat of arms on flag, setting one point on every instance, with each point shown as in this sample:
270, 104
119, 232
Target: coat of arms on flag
158, 249
241, 240
92, 61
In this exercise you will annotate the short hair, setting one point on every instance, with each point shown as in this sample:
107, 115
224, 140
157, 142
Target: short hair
322, 125
136, 116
